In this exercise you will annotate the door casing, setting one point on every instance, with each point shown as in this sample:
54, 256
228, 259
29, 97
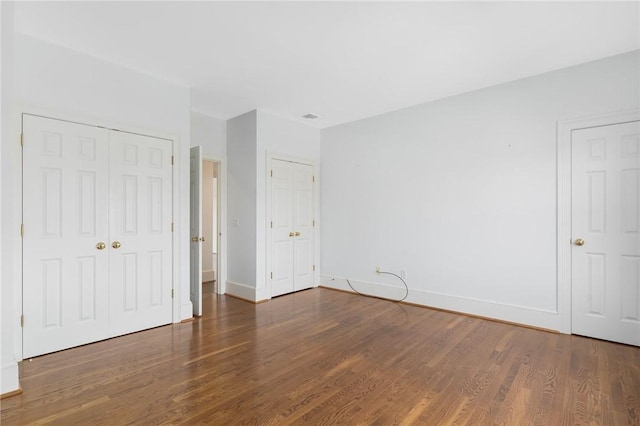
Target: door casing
563, 230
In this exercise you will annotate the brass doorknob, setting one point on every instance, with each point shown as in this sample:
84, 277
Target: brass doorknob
579, 242
116, 245
101, 245
297, 234
291, 234
194, 239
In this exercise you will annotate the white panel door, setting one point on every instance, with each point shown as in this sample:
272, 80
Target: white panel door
140, 236
606, 232
292, 233
195, 224
65, 208
282, 228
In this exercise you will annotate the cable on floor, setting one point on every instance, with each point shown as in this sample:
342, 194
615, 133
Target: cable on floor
406, 288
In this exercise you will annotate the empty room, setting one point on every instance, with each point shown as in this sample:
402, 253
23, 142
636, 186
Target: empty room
296, 212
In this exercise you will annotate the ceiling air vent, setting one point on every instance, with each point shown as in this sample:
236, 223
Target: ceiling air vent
310, 116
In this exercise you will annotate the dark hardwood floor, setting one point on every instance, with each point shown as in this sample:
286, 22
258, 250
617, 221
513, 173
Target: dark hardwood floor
327, 357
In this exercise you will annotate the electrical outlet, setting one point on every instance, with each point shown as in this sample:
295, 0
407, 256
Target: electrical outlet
378, 269
403, 273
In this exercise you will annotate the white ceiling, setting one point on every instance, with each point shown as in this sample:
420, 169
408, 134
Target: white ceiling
343, 61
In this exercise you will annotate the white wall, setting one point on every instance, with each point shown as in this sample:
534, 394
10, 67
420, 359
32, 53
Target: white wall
461, 193
241, 206
210, 133
56, 80
8, 233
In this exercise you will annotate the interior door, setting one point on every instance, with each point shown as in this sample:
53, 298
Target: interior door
606, 232
292, 224
282, 227
140, 232
65, 208
195, 224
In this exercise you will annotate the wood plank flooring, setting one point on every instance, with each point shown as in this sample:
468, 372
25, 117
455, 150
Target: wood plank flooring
324, 357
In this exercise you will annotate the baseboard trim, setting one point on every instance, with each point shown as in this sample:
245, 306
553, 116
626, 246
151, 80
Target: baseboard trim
257, 302
186, 311
10, 380
512, 314
209, 275
246, 292
10, 394
448, 311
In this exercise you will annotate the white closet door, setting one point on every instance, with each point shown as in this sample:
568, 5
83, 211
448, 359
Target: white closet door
65, 208
606, 232
140, 232
292, 232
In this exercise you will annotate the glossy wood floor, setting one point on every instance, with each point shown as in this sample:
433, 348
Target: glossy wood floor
326, 357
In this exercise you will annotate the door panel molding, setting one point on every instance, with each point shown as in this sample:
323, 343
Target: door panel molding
563, 195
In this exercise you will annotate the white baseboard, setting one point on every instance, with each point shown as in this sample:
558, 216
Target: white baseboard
10, 380
263, 294
485, 308
209, 275
186, 311
242, 291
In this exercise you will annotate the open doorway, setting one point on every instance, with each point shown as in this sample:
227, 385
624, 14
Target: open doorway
210, 225
207, 196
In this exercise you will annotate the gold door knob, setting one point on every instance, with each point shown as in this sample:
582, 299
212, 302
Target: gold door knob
116, 245
194, 239
291, 234
297, 234
101, 245
579, 242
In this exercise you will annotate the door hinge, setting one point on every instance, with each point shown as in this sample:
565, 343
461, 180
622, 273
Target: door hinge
172, 293
171, 226
272, 275
172, 160
313, 179
314, 223
22, 320
22, 230
271, 173
21, 139
314, 268
272, 224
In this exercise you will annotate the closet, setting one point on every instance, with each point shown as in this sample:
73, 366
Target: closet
292, 226
97, 242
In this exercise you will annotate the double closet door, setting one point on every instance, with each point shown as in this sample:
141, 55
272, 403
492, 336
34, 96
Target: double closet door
97, 243
292, 226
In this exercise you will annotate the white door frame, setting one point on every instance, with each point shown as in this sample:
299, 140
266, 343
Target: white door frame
222, 220
564, 237
316, 252
16, 212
